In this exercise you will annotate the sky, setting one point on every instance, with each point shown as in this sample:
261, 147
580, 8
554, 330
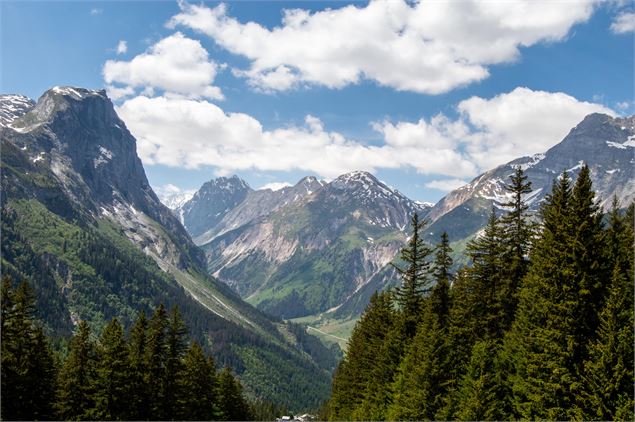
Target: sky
425, 95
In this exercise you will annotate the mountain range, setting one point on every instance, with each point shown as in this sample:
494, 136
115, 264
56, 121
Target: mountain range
81, 223
317, 251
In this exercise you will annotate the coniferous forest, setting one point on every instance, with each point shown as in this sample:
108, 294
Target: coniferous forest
152, 373
538, 325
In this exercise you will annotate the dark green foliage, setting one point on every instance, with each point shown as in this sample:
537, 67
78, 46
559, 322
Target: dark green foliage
28, 367
231, 404
415, 278
547, 335
109, 379
353, 376
77, 377
518, 233
112, 375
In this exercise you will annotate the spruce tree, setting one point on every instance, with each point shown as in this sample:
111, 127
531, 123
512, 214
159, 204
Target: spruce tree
415, 278
518, 233
420, 382
139, 397
609, 369
176, 346
231, 403
479, 394
544, 336
112, 381
354, 373
199, 385
156, 355
440, 295
484, 280
76, 381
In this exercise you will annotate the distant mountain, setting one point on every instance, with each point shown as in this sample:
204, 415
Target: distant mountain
304, 249
604, 143
82, 224
174, 200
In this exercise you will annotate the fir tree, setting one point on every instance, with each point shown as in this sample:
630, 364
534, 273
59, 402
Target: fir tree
440, 296
415, 278
76, 382
112, 383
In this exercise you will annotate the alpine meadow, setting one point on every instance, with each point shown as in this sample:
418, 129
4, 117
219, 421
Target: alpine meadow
377, 210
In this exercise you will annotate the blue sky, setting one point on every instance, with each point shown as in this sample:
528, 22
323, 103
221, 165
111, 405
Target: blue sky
410, 92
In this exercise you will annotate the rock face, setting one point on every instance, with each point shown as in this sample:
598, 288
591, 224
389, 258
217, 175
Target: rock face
604, 143
307, 248
82, 223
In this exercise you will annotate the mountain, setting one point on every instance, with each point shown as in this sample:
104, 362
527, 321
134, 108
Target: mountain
305, 249
174, 200
82, 224
604, 143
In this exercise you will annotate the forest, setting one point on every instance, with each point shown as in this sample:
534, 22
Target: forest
154, 372
538, 325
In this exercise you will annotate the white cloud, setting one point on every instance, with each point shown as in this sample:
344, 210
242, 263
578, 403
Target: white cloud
188, 133
624, 105
122, 47
446, 185
275, 186
95, 11
116, 93
624, 23
428, 47
177, 65
519, 123
488, 132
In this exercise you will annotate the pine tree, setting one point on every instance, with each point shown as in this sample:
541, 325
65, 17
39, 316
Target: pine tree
518, 233
199, 385
231, 403
139, 398
112, 383
415, 278
76, 381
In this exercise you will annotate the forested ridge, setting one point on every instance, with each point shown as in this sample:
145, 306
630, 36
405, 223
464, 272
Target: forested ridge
539, 325
154, 372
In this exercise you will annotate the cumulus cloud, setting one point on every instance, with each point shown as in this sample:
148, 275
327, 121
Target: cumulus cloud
624, 23
275, 186
428, 47
190, 133
95, 11
446, 185
122, 47
521, 122
178, 65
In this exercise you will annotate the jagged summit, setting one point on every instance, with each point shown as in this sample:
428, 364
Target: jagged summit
13, 106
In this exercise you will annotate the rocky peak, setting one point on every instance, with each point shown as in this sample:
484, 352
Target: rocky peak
13, 107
